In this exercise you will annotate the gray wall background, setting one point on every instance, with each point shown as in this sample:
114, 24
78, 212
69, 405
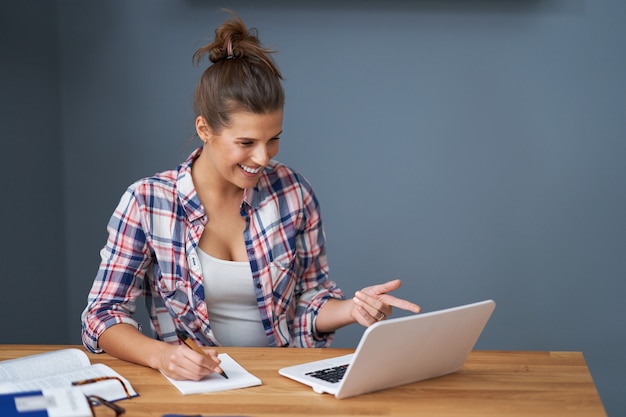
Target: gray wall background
473, 148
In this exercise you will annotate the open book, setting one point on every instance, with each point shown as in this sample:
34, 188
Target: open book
58, 369
238, 377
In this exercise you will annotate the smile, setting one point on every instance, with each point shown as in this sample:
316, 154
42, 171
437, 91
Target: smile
249, 170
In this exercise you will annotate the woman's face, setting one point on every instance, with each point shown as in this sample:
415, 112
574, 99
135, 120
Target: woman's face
238, 153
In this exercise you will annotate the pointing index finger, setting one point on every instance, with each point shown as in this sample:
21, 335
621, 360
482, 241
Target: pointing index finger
400, 303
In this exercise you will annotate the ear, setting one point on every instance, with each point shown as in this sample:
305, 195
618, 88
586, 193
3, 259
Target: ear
203, 129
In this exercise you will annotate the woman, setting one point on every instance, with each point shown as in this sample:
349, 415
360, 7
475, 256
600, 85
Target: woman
229, 247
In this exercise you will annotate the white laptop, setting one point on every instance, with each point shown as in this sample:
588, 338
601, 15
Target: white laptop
399, 351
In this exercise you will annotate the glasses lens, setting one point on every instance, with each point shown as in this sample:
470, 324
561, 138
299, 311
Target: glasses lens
103, 408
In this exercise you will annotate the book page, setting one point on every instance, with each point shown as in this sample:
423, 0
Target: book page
48, 363
238, 377
110, 390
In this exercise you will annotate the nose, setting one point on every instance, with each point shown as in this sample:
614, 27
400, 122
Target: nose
261, 155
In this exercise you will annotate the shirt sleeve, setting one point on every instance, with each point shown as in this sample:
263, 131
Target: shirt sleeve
124, 262
314, 287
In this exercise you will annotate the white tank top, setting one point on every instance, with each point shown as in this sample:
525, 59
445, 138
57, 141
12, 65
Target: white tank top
231, 302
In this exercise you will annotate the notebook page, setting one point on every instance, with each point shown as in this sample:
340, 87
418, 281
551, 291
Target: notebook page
238, 377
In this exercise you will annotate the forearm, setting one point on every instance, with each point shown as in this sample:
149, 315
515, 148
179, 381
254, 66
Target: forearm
125, 342
176, 361
333, 315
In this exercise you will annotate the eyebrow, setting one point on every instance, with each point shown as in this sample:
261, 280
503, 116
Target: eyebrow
277, 135
272, 137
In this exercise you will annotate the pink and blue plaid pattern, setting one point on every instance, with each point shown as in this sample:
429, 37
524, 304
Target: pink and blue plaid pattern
151, 252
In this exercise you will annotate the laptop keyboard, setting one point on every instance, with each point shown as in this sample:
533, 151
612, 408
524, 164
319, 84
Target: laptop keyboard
333, 374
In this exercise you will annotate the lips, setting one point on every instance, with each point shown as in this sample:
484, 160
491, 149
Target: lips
250, 170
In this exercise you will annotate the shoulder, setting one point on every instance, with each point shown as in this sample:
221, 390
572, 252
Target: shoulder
171, 185
287, 188
161, 185
279, 177
148, 204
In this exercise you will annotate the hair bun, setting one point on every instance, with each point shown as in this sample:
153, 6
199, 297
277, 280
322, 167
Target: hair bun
233, 40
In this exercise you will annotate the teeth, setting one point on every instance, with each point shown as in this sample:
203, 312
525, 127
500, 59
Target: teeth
250, 170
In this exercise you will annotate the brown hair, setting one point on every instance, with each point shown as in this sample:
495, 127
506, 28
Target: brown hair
242, 77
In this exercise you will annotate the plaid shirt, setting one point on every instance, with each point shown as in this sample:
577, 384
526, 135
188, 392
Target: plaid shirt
151, 251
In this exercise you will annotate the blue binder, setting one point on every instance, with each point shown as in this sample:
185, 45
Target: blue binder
45, 403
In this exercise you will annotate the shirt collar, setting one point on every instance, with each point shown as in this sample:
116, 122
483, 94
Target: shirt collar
251, 197
186, 190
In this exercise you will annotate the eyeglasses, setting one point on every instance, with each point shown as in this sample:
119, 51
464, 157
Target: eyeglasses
104, 378
95, 400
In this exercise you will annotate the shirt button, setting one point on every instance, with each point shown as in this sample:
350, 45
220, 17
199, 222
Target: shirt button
250, 251
258, 285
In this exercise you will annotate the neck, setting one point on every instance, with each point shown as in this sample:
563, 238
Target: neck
208, 182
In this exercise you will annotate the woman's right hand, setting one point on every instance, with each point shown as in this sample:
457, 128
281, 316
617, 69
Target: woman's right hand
181, 363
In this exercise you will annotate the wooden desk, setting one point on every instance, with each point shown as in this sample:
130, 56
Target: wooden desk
491, 383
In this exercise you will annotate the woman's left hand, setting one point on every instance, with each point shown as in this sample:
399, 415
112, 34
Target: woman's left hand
373, 304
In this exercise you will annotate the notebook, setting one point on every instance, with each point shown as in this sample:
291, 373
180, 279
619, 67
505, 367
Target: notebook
238, 377
399, 351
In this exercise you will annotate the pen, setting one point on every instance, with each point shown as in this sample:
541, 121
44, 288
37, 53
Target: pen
192, 345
